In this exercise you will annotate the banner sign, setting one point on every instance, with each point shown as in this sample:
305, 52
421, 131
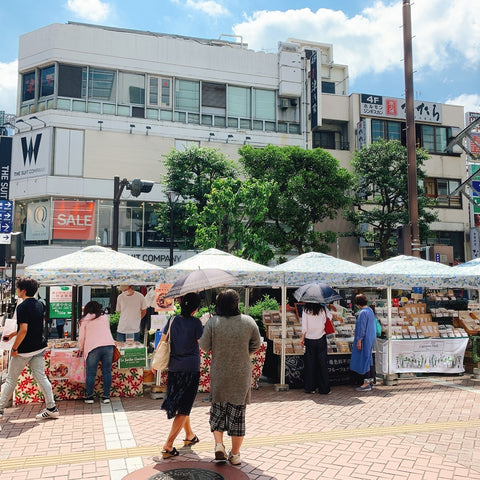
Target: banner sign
73, 220
315, 94
60, 302
133, 357
387, 107
31, 154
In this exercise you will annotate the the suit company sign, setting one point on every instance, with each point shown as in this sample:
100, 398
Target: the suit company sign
31, 154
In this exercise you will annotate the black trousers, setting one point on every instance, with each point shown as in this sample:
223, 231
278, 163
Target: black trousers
316, 367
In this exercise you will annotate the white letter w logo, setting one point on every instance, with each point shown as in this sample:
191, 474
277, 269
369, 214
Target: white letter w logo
31, 150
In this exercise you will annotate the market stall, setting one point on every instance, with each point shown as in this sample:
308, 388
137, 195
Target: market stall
315, 267
66, 373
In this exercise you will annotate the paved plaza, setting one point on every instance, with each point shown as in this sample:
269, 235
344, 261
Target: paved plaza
425, 427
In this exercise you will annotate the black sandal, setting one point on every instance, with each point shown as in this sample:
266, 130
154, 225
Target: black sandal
193, 441
170, 453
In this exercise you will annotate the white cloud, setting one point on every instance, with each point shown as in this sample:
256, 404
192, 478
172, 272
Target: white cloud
372, 41
209, 7
8, 86
471, 102
91, 10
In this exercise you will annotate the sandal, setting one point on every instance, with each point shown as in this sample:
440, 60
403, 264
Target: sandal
193, 441
170, 453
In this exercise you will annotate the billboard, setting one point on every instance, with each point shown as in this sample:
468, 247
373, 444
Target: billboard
73, 220
31, 154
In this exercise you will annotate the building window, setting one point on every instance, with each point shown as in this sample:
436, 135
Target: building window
387, 130
239, 102
187, 95
328, 87
264, 105
101, 84
324, 140
131, 88
47, 81
432, 138
159, 92
440, 189
28, 86
214, 95
70, 80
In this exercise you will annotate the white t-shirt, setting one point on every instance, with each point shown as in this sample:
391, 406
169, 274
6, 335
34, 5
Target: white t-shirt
314, 325
130, 308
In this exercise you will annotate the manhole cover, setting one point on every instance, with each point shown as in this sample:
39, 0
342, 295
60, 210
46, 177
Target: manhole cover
187, 474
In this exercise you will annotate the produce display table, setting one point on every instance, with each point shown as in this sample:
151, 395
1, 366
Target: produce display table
126, 382
435, 355
257, 358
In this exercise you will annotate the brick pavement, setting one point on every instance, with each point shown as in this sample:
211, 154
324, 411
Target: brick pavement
423, 428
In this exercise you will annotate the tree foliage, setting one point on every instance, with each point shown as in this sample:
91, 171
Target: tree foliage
234, 218
191, 174
311, 187
380, 194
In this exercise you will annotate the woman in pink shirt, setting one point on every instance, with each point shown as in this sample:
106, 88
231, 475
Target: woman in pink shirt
95, 343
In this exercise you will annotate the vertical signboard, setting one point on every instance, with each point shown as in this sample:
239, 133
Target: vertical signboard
60, 302
38, 221
315, 94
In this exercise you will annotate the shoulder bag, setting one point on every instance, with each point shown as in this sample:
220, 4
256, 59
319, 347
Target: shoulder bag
161, 357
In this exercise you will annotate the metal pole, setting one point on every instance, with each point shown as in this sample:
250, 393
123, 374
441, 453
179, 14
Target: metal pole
410, 121
170, 202
116, 212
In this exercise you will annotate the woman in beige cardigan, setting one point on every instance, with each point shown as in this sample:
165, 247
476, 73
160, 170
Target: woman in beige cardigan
232, 338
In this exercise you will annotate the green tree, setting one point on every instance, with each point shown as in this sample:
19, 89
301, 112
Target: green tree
311, 187
190, 174
380, 195
234, 218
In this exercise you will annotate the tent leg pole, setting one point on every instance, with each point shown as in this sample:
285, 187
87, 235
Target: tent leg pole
282, 386
390, 379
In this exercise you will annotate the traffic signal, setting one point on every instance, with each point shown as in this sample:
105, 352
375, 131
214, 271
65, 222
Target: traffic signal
138, 186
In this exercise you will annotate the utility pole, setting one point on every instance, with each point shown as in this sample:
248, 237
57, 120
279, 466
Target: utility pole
410, 120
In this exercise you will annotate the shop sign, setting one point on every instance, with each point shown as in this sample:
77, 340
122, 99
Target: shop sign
73, 220
60, 302
387, 107
38, 221
133, 357
31, 154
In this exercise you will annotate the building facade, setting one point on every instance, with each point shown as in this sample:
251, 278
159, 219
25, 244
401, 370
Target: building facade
97, 102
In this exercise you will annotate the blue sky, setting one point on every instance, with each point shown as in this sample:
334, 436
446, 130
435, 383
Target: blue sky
366, 35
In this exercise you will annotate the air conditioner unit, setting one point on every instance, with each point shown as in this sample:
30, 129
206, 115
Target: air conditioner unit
284, 103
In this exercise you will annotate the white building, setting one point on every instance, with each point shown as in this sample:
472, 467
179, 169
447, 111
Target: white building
97, 102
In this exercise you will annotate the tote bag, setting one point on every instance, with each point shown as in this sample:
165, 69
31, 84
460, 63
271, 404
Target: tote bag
161, 357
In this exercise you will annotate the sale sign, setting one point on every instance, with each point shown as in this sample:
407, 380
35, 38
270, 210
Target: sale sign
73, 220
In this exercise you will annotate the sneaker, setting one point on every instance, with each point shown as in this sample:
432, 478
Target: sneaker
234, 459
220, 453
89, 400
1, 412
105, 400
54, 413
366, 388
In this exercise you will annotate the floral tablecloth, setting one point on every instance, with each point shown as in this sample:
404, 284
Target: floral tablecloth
258, 359
126, 382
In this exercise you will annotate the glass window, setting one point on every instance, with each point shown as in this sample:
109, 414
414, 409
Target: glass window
187, 95
328, 87
440, 189
131, 88
101, 84
428, 138
264, 104
378, 129
239, 102
159, 91
28, 86
70, 80
213, 95
47, 81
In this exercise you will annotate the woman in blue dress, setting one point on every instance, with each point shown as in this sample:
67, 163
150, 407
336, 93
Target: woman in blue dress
363, 343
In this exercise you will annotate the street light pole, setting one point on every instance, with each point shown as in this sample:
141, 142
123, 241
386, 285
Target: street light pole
172, 196
118, 187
